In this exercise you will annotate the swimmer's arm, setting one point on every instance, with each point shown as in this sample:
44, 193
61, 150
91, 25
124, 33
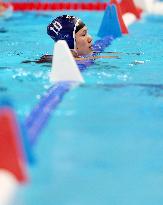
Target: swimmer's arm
43, 59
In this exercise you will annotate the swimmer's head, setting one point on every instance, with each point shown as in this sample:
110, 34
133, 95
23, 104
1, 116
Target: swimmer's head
68, 28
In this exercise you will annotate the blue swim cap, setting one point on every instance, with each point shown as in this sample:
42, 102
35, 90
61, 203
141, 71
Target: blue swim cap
64, 28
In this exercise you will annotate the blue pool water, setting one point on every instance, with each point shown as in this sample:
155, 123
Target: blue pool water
104, 143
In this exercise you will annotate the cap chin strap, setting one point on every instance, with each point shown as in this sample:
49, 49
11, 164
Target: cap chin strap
74, 51
76, 24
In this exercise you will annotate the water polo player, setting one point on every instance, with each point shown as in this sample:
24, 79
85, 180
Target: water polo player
75, 33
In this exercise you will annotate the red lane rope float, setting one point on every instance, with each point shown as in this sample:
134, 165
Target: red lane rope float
28, 6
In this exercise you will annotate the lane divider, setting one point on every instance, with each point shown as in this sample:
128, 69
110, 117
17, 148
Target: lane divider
151, 6
11, 147
66, 69
7, 10
122, 23
136, 6
28, 6
12, 161
39, 116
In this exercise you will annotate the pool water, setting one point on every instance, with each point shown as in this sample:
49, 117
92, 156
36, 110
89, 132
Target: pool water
104, 142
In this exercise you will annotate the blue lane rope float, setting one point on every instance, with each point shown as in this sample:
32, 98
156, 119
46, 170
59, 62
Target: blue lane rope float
40, 114
110, 24
54, 95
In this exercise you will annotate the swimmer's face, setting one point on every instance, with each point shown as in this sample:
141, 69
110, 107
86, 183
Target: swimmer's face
83, 42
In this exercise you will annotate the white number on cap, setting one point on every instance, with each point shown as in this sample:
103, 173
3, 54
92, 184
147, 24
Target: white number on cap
57, 27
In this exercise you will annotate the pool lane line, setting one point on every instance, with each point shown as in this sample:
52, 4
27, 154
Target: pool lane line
40, 114
38, 117
53, 6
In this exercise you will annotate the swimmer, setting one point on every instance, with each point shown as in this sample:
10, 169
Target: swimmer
75, 33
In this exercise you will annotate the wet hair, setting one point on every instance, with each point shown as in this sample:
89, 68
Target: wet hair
64, 28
